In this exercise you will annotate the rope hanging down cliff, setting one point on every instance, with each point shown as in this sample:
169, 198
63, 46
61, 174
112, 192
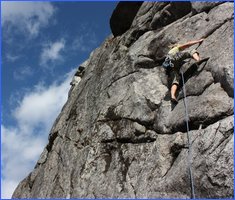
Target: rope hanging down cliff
187, 128
189, 140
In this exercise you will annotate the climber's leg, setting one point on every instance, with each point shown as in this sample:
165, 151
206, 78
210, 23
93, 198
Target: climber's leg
175, 84
196, 56
173, 91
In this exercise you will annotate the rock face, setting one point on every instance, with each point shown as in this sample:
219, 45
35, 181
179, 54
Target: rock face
117, 136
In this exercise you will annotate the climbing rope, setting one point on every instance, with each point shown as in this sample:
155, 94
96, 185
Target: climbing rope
189, 140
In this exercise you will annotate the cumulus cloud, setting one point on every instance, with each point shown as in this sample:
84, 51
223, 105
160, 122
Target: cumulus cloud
28, 17
40, 105
19, 151
8, 186
52, 52
23, 143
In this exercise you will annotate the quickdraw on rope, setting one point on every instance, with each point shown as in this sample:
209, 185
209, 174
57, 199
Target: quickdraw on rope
189, 140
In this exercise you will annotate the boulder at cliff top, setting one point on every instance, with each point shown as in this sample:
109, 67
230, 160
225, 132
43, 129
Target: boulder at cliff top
123, 16
117, 135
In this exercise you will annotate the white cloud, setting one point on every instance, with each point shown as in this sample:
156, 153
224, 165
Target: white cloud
9, 187
52, 52
39, 106
22, 72
28, 17
18, 149
22, 144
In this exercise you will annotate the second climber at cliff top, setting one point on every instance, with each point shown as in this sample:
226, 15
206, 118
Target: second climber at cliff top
174, 60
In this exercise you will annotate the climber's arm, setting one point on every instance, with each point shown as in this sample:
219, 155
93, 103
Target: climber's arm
188, 44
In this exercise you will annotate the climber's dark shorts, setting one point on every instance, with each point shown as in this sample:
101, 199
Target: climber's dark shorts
175, 77
177, 60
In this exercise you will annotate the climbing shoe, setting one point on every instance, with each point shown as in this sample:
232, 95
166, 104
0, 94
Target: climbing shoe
202, 60
174, 101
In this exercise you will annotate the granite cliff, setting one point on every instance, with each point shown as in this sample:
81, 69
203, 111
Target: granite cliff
117, 136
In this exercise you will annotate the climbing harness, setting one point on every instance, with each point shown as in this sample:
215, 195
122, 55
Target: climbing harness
167, 63
189, 140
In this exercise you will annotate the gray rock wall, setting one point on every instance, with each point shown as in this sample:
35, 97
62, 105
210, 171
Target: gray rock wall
117, 136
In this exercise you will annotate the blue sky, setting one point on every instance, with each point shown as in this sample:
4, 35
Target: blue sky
42, 44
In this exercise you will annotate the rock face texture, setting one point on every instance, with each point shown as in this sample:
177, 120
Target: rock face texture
118, 137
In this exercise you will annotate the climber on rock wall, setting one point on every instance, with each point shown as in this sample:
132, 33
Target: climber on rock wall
174, 60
